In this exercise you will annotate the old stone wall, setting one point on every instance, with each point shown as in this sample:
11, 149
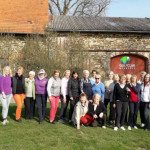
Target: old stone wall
103, 46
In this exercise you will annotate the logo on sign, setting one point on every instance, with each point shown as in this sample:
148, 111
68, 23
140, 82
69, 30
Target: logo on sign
124, 60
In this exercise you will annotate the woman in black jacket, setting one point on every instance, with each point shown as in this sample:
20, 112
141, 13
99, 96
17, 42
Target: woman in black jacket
120, 102
18, 90
73, 92
97, 110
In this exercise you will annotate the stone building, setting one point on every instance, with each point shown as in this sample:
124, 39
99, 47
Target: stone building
118, 44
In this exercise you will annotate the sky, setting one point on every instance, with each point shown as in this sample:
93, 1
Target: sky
129, 8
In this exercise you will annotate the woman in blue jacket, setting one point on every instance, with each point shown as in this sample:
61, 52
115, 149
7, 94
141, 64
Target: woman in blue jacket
98, 87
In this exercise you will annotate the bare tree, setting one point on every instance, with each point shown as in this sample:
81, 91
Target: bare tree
78, 7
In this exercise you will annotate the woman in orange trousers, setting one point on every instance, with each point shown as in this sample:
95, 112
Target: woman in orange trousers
18, 90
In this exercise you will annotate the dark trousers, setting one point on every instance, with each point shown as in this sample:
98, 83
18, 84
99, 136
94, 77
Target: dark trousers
72, 104
145, 113
133, 111
121, 109
29, 107
95, 121
106, 102
63, 107
112, 115
41, 100
141, 113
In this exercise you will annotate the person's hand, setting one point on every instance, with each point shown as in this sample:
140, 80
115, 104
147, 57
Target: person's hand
50, 98
128, 90
71, 98
114, 105
78, 128
64, 100
101, 115
102, 101
149, 105
4, 96
95, 116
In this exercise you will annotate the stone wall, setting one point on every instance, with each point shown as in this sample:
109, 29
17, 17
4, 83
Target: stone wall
103, 46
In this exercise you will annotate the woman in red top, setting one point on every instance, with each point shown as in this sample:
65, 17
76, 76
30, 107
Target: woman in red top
134, 98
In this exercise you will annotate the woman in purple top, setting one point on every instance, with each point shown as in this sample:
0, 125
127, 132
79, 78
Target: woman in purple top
41, 94
5, 92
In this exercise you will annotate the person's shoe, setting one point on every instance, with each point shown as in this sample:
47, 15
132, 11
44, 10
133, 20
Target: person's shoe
4, 122
115, 128
145, 129
19, 120
7, 121
52, 122
122, 128
135, 127
104, 127
61, 121
129, 128
142, 125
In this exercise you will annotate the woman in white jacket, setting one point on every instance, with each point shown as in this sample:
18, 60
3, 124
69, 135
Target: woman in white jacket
145, 100
80, 110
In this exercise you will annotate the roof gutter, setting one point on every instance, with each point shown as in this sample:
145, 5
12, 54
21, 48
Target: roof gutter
95, 31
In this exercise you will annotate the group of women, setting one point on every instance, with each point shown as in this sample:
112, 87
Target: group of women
88, 97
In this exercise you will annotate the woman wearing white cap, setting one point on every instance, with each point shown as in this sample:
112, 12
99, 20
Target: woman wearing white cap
30, 96
41, 94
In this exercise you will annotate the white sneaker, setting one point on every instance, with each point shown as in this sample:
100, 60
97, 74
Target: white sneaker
122, 128
142, 125
115, 128
104, 127
129, 128
135, 127
7, 121
4, 122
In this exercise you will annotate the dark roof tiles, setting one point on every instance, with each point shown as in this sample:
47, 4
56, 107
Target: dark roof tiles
99, 24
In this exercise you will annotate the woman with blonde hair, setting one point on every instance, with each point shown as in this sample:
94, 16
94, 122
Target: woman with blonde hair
53, 89
134, 99
5, 92
64, 96
97, 110
120, 102
18, 90
80, 116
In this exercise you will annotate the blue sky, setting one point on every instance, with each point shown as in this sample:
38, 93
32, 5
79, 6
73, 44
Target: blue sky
129, 8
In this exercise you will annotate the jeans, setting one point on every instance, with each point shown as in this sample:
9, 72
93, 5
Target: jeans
63, 107
133, 111
121, 109
145, 113
5, 105
41, 100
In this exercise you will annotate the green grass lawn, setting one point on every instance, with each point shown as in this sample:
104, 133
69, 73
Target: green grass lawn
30, 135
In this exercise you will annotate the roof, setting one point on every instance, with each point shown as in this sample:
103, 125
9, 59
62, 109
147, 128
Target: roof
99, 24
